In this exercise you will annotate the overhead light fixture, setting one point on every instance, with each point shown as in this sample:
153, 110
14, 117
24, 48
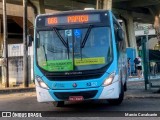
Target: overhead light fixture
89, 9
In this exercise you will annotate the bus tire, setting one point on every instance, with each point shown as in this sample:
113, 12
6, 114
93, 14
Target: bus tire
126, 77
58, 104
119, 100
125, 86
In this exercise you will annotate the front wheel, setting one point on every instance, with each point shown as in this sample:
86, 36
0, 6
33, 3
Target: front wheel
58, 104
125, 86
120, 99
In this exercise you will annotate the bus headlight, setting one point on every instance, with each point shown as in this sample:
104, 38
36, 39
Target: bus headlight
109, 80
41, 83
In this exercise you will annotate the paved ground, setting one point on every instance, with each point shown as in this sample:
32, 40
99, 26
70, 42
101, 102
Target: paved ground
82, 111
28, 102
154, 80
136, 88
136, 99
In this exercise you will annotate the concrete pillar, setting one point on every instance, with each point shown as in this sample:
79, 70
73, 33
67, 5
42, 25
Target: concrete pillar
157, 26
104, 4
107, 4
5, 50
0, 54
2, 79
0, 37
40, 6
131, 32
25, 47
99, 4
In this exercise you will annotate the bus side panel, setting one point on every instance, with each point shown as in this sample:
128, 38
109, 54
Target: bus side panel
120, 55
116, 56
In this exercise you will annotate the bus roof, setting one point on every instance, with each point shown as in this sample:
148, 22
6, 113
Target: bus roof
72, 12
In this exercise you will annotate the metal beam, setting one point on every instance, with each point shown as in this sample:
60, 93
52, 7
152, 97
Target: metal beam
143, 17
143, 3
146, 18
120, 0
152, 12
66, 5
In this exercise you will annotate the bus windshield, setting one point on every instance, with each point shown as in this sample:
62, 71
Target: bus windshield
74, 49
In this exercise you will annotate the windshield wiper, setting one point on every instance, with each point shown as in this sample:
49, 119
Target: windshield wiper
86, 36
60, 37
62, 40
67, 48
44, 53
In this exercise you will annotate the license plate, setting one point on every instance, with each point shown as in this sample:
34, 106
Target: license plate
75, 98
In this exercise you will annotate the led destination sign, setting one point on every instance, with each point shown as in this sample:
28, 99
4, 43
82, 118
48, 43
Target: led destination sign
72, 19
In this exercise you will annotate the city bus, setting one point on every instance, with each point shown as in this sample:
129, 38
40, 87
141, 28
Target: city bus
79, 56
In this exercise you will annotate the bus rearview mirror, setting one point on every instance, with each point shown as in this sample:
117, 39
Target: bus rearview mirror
120, 34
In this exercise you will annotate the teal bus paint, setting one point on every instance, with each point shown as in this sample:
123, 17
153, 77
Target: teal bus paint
131, 53
79, 55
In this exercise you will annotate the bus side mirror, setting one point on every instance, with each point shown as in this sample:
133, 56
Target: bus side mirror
120, 34
29, 40
37, 43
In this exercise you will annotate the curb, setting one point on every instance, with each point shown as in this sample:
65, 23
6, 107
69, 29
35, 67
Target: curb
16, 90
142, 97
141, 94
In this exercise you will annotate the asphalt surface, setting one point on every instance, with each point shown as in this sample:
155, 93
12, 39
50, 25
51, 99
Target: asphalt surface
136, 100
97, 110
28, 102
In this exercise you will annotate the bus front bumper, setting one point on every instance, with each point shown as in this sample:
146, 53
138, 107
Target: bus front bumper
108, 92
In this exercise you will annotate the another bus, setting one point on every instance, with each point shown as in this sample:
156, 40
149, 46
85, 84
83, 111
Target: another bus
79, 55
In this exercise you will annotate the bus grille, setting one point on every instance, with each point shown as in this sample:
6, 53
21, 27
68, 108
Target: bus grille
85, 94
